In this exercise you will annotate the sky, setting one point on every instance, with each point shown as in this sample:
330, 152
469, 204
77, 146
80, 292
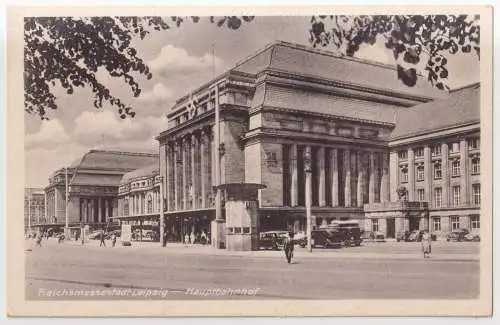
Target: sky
181, 59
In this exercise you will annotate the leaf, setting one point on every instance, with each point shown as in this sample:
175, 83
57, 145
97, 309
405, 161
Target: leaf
411, 56
440, 86
407, 76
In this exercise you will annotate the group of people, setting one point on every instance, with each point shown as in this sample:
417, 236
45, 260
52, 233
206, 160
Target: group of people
198, 238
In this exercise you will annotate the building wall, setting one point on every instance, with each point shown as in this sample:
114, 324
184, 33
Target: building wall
433, 151
233, 160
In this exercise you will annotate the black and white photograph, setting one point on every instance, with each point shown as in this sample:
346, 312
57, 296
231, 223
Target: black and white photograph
252, 159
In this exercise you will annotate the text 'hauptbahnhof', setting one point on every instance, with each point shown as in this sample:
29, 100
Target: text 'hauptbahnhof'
390, 156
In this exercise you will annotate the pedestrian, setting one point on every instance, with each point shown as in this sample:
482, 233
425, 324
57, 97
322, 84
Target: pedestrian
426, 243
191, 238
103, 243
288, 247
164, 244
113, 240
60, 238
38, 241
186, 238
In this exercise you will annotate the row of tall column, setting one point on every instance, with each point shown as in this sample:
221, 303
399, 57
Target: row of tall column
354, 177
142, 203
189, 170
96, 209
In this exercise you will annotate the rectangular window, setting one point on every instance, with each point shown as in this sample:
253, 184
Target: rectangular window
476, 194
403, 154
476, 166
420, 173
436, 223
456, 195
438, 197
421, 194
436, 150
437, 171
455, 168
374, 225
404, 175
474, 222
455, 223
237, 230
246, 230
419, 152
473, 143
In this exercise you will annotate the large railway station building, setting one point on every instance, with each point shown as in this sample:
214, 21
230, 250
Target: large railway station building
368, 136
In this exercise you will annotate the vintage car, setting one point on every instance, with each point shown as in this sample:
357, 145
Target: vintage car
403, 235
412, 236
350, 230
327, 237
272, 239
472, 237
457, 235
300, 238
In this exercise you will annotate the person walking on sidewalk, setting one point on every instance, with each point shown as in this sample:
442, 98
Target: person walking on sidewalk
288, 247
426, 243
39, 240
113, 240
103, 243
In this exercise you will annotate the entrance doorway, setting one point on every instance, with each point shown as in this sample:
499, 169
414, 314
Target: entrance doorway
391, 228
414, 223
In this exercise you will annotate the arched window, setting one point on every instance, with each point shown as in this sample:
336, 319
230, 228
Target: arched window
150, 205
125, 207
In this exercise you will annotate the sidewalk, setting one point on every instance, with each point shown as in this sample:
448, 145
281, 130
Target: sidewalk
300, 253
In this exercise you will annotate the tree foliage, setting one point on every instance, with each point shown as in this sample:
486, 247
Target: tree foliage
69, 51
411, 39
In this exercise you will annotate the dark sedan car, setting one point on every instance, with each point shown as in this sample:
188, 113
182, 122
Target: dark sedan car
272, 239
457, 235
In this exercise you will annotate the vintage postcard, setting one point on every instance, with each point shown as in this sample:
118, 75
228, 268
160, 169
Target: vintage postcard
267, 161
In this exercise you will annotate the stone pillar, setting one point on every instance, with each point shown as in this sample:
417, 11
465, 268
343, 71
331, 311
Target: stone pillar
382, 226
194, 180
106, 210
322, 177
445, 174
347, 182
99, 209
428, 177
177, 154
92, 209
464, 172
294, 173
361, 180
411, 175
354, 179
335, 177
384, 181
371, 184
394, 176
203, 169
168, 178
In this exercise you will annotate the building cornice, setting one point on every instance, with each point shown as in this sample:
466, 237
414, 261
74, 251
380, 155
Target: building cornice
299, 136
301, 113
429, 135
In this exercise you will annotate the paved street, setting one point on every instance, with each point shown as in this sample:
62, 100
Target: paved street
145, 270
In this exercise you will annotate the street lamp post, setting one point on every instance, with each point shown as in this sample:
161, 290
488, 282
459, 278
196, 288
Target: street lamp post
308, 170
